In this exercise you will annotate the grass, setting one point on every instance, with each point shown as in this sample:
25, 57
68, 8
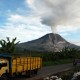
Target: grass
62, 61
67, 75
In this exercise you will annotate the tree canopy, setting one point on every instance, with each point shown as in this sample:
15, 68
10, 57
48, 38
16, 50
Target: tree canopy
8, 46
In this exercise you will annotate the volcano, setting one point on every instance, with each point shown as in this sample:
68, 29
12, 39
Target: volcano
50, 42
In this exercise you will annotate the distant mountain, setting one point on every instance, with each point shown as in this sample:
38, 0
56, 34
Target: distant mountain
49, 42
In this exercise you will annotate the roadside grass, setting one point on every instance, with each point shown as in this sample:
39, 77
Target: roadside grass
57, 62
67, 75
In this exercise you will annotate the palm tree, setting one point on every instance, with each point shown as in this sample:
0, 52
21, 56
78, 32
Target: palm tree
8, 46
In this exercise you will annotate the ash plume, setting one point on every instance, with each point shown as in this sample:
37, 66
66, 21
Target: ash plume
57, 12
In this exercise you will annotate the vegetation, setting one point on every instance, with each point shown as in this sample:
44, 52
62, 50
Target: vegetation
67, 75
8, 46
57, 62
66, 53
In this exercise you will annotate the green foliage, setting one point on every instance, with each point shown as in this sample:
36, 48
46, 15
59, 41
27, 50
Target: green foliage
67, 75
70, 52
66, 53
57, 62
8, 46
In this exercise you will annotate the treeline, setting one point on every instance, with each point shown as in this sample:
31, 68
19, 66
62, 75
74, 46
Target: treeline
66, 53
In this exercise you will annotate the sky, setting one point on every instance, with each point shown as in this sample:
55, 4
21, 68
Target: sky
31, 19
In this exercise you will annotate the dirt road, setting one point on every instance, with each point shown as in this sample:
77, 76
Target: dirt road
46, 71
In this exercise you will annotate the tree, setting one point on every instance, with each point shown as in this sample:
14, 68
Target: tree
73, 53
69, 52
8, 46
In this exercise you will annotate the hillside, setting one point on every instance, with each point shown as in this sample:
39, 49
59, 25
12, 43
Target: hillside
49, 42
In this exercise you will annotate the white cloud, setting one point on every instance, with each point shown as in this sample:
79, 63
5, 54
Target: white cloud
25, 28
16, 18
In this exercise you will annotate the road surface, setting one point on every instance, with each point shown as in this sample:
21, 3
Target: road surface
46, 71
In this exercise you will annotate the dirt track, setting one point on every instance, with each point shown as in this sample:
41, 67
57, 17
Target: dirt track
46, 71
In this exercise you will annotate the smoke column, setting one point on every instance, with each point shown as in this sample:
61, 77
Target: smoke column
57, 12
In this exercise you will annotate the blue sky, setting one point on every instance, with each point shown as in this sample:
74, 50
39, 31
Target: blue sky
25, 20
